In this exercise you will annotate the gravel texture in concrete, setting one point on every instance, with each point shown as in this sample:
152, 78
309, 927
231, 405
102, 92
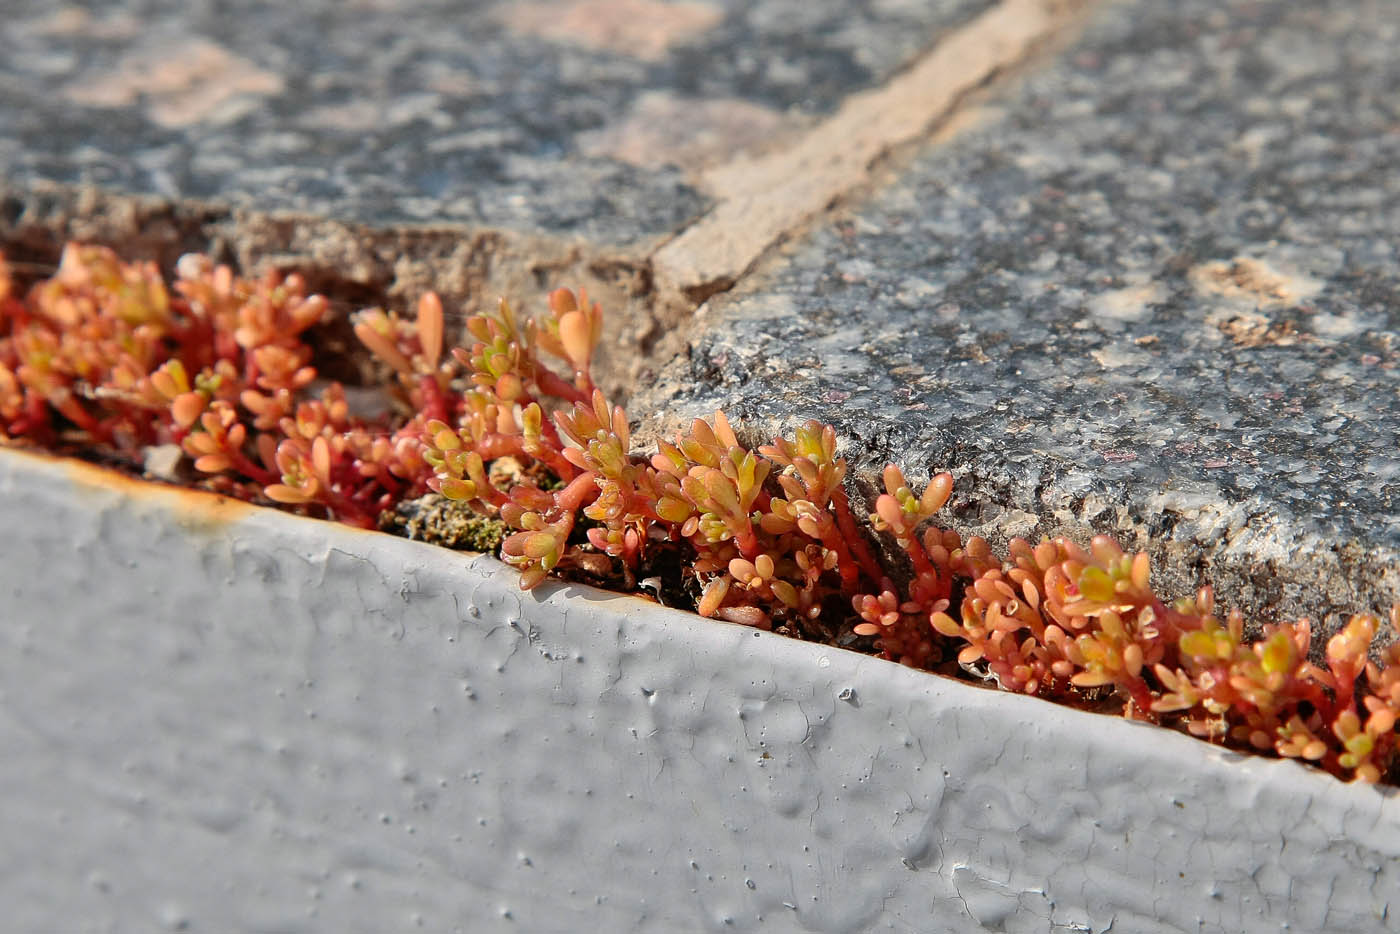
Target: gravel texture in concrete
1152, 291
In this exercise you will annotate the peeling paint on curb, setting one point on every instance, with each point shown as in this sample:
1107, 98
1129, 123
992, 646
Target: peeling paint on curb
267, 722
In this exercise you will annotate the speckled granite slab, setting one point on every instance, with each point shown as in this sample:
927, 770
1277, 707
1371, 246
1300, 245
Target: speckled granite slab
480, 149
1154, 291
574, 117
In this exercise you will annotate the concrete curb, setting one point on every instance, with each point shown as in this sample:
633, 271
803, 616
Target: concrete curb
218, 717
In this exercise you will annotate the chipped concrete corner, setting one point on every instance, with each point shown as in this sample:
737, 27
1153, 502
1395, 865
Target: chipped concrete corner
363, 733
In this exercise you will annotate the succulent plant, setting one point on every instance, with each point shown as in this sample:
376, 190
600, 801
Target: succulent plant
104, 355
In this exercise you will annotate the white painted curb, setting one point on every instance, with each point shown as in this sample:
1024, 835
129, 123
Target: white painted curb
223, 718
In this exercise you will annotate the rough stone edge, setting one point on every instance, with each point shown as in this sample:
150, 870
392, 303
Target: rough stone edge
1271, 568
926, 801
354, 265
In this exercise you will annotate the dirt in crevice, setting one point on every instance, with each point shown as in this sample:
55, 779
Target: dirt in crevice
354, 267
35, 225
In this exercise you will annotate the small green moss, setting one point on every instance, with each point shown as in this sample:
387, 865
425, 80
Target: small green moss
440, 521
482, 534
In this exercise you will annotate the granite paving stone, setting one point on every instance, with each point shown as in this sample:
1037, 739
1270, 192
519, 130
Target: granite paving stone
384, 147
491, 114
1153, 290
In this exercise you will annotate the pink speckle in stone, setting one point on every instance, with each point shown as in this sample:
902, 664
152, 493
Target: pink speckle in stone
645, 29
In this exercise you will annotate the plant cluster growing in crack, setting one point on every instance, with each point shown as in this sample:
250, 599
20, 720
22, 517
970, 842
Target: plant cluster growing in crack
105, 357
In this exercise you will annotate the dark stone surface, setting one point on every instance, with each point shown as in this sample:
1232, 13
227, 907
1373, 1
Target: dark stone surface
386, 113
1155, 292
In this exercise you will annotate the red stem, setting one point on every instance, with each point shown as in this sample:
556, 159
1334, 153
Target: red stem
388, 482
69, 407
252, 471
581, 491
37, 418
915, 550
841, 505
434, 403
1140, 693
923, 566
353, 516
747, 542
197, 341
845, 564
631, 550
562, 467
552, 385
346, 509
1345, 676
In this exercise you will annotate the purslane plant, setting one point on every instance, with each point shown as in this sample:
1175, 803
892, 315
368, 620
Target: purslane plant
218, 368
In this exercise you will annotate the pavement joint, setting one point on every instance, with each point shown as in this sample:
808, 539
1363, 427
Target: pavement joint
762, 199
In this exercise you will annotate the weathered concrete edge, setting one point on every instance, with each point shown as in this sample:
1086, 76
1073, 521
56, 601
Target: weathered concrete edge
219, 716
764, 198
